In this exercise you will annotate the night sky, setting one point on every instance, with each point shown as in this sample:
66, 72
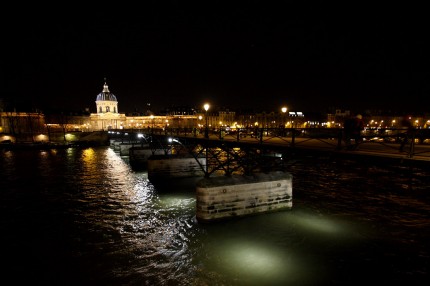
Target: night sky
235, 54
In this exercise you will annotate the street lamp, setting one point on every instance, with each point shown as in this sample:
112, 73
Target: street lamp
152, 124
206, 107
284, 110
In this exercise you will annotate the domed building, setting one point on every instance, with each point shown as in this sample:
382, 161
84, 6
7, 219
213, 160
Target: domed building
107, 116
106, 101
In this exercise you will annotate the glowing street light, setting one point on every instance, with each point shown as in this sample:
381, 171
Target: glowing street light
206, 107
170, 140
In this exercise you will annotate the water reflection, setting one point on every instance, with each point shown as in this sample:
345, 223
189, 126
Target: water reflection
96, 221
315, 223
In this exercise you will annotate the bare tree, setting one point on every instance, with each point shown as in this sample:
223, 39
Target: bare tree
13, 122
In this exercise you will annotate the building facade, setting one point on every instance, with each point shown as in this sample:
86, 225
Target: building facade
107, 116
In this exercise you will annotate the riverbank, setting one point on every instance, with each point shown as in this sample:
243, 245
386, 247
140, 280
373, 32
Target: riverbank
81, 139
50, 145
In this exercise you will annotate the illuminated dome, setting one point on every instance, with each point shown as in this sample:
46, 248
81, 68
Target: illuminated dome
106, 95
106, 101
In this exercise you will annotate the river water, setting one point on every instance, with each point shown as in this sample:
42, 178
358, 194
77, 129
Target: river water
84, 217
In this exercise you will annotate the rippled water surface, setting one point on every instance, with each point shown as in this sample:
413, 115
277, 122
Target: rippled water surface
84, 217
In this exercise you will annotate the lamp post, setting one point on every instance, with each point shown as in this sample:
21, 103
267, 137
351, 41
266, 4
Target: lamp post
152, 124
284, 110
206, 107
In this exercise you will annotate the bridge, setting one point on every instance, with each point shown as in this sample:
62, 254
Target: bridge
262, 149
258, 160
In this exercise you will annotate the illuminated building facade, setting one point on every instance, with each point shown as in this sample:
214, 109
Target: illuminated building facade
107, 116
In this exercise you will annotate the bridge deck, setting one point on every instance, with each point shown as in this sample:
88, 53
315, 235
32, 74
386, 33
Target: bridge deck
372, 146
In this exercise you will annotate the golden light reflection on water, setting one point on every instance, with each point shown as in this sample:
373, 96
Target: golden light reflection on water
8, 154
44, 158
88, 155
7, 159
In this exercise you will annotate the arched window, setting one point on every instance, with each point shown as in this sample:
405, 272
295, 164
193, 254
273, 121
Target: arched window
114, 110
100, 109
107, 109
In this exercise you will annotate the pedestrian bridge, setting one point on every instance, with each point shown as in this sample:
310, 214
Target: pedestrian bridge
263, 149
244, 174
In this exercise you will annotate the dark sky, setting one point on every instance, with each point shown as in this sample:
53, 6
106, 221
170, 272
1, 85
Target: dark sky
234, 54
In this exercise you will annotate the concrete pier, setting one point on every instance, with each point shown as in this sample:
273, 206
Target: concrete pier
226, 197
165, 167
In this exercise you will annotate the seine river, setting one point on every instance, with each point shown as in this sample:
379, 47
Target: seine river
84, 217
